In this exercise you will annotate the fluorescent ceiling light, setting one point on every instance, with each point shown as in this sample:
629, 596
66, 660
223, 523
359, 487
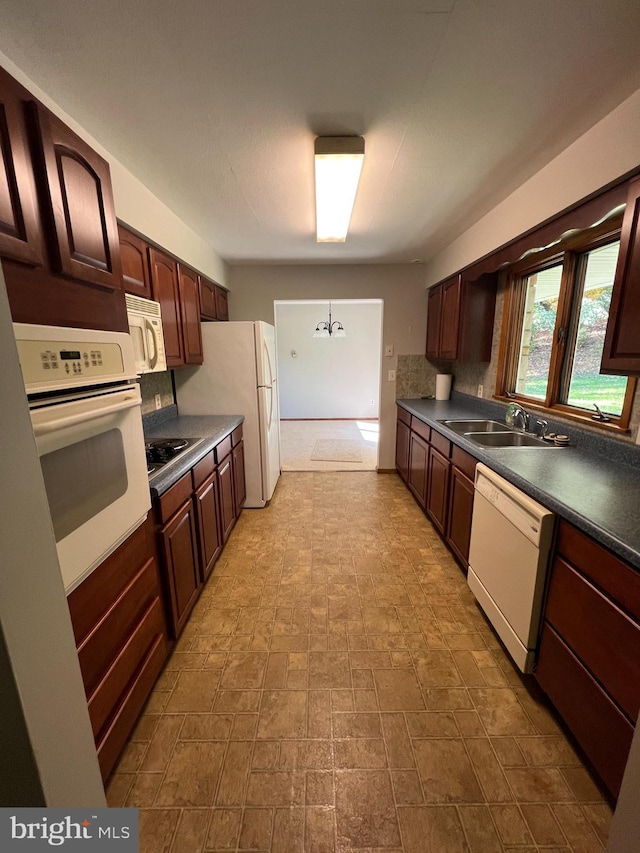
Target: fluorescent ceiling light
338, 166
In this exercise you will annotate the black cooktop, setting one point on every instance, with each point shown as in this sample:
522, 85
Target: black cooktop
161, 451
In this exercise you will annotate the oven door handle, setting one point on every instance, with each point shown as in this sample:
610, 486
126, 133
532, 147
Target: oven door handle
129, 400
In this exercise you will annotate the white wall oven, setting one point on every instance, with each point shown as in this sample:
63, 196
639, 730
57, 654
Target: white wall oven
85, 410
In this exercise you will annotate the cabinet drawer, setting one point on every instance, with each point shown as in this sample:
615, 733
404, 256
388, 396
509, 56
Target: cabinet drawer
223, 449
605, 639
174, 497
599, 726
420, 428
113, 685
404, 416
103, 644
615, 577
203, 469
441, 444
464, 462
236, 435
114, 738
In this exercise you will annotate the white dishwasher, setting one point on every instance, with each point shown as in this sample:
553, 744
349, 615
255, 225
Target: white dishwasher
511, 537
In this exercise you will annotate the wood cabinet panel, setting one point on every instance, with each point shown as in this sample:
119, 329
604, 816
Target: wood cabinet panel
419, 427
165, 290
599, 726
621, 353
464, 461
441, 444
190, 315
78, 200
434, 302
404, 416
174, 497
203, 469
209, 533
450, 319
180, 547
223, 449
135, 264
438, 489
459, 514
611, 652
402, 449
222, 303
227, 499
207, 299
20, 237
239, 487
418, 466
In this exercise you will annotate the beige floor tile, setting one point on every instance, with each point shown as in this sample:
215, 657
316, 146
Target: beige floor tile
480, 829
398, 690
365, 809
288, 831
432, 829
192, 831
192, 775
283, 714
446, 772
224, 829
157, 829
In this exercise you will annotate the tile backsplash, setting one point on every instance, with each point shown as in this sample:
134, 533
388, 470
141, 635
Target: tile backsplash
415, 377
156, 383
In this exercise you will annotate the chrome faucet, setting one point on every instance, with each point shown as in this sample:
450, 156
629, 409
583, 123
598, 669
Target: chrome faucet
518, 410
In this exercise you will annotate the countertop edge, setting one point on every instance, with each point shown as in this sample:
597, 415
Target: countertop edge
600, 534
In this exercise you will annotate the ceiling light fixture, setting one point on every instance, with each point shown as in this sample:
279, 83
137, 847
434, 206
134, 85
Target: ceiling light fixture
338, 166
325, 329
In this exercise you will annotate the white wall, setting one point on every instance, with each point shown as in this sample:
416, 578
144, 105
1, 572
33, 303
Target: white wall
400, 286
45, 681
611, 148
329, 377
135, 204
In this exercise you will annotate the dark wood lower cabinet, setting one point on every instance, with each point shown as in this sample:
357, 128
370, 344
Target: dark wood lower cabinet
118, 619
227, 498
209, 533
180, 551
239, 488
418, 465
461, 491
402, 449
438, 489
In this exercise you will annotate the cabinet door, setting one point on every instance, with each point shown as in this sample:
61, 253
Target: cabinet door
190, 315
19, 227
238, 478
222, 305
79, 204
402, 449
209, 532
418, 460
434, 303
164, 287
450, 318
207, 299
438, 488
621, 352
459, 516
181, 559
227, 500
135, 264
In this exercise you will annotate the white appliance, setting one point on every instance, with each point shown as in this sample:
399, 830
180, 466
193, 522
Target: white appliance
238, 377
511, 538
145, 328
85, 408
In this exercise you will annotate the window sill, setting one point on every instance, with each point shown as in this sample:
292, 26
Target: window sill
565, 412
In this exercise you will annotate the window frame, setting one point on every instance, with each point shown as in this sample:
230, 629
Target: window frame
566, 252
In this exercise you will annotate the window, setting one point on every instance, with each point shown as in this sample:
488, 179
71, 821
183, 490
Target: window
556, 312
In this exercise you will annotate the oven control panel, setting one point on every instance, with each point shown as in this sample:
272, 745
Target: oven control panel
45, 362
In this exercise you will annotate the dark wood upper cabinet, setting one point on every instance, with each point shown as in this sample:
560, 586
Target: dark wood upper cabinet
621, 353
165, 290
460, 319
20, 237
78, 200
222, 305
135, 264
189, 293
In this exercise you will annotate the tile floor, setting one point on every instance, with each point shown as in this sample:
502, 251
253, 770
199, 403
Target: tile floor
337, 689
298, 438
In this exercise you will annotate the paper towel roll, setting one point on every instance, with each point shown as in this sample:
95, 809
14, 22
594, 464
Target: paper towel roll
443, 386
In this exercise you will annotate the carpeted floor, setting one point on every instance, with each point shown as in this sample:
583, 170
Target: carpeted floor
328, 445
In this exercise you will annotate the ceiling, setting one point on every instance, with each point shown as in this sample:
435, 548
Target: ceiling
214, 105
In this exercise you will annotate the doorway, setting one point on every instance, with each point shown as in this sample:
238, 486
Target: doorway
329, 387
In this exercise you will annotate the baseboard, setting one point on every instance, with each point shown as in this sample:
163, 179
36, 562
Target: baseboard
373, 420
386, 470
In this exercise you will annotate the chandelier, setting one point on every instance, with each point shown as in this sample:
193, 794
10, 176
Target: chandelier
325, 329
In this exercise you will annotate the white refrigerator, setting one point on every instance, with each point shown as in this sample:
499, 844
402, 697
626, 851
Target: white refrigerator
239, 377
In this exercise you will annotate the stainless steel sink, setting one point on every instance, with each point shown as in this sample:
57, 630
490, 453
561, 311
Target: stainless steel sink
476, 426
506, 439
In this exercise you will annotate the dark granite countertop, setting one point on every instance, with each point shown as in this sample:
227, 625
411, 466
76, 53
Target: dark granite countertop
167, 423
594, 483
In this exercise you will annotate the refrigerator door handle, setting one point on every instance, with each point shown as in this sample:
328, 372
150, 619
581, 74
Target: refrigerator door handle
268, 365
270, 417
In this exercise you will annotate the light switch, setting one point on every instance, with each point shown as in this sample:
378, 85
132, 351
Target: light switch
392, 376
388, 350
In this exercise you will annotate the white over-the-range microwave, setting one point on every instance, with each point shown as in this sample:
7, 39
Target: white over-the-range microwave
145, 328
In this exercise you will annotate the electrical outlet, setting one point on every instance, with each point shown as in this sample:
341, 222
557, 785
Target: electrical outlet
391, 376
372, 402
388, 350
158, 399
480, 390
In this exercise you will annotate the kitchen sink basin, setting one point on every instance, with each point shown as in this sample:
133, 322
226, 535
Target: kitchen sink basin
506, 439
476, 426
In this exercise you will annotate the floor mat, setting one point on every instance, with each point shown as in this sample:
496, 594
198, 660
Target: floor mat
337, 450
